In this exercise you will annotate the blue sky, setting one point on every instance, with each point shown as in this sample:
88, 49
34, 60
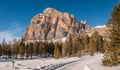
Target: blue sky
15, 15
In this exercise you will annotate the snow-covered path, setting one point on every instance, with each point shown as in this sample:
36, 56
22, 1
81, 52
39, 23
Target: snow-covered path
89, 63
86, 67
82, 64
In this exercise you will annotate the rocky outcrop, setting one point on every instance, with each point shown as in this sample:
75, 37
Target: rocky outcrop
53, 24
104, 31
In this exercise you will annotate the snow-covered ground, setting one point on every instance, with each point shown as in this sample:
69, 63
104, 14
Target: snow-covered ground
36, 64
73, 63
89, 63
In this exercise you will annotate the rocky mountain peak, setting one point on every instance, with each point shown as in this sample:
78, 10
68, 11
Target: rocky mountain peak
52, 24
50, 10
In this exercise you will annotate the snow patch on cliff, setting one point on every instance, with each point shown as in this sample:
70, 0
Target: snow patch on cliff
100, 26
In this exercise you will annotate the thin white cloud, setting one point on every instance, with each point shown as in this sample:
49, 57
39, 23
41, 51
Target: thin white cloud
14, 31
7, 36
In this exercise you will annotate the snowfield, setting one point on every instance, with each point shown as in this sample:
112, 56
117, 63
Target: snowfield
36, 64
73, 63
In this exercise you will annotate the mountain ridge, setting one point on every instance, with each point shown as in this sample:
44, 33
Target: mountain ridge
53, 24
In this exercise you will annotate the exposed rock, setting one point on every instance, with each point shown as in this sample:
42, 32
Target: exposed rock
53, 24
103, 31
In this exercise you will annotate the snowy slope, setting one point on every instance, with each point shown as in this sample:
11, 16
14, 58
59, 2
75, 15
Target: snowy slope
73, 63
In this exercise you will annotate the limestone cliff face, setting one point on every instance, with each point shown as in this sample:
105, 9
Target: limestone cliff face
53, 24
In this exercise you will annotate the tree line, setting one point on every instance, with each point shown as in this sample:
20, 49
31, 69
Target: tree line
73, 46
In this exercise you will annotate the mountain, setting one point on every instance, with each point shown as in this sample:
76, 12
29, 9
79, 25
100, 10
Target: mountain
53, 24
102, 30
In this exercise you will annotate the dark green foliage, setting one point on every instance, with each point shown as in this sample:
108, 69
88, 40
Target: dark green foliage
43, 49
21, 49
9, 51
15, 50
100, 44
6, 50
31, 50
112, 51
50, 49
85, 43
36, 48
70, 45
96, 43
92, 45
27, 50
77, 47
0, 50
74, 46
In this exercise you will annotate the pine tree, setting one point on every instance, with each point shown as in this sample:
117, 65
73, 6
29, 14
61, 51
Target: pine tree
101, 44
69, 45
80, 47
75, 47
15, 50
92, 46
9, 51
112, 53
21, 49
64, 49
60, 48
31, 50
36, 48
94, 43
27, 50
0, 50
5, 48
43, 49
50, 49
56, 51
85, 42
40, 49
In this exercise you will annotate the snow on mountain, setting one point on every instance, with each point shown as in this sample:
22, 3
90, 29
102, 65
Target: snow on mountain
100, 26
53, 40
62, 39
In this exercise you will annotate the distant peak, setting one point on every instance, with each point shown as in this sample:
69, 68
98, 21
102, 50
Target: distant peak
83, 22
49, 9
